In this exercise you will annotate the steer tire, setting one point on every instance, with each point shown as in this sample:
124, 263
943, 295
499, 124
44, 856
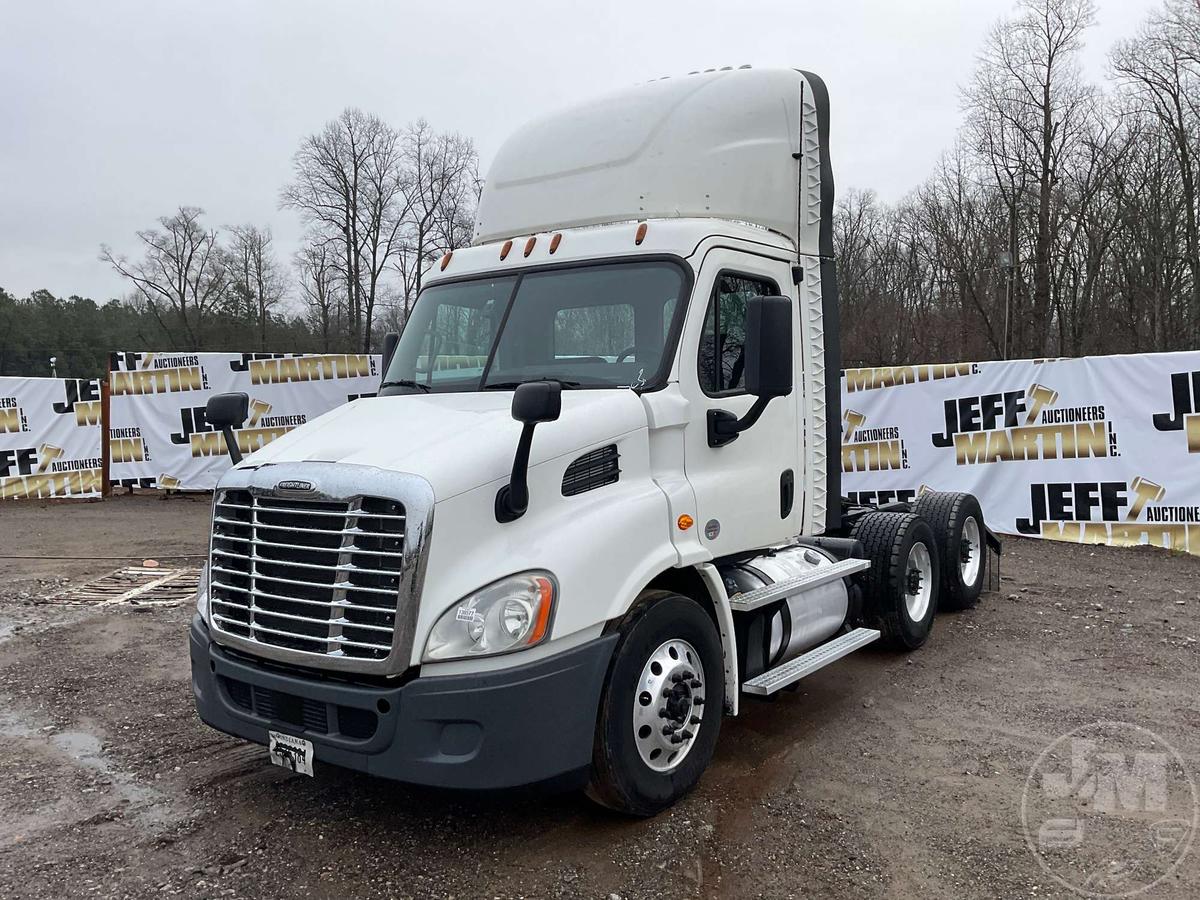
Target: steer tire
957, 521
631, 718
901, 608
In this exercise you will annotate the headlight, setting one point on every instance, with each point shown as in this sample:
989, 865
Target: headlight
202, 594
510, 614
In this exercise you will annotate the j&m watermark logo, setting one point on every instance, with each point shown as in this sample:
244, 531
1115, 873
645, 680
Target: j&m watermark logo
1109, 810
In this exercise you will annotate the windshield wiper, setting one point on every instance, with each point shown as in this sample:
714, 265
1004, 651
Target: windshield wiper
406, 382
513, 385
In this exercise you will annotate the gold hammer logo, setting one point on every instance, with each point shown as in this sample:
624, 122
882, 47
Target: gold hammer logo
1039, 396
852, 421
1145, 491
258, 409
47, 453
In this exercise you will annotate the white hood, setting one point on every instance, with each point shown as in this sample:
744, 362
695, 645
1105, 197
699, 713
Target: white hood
456, 441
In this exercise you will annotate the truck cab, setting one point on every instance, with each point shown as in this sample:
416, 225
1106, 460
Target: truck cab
596, 502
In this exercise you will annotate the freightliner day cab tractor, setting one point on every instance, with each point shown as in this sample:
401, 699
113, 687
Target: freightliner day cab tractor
597, 498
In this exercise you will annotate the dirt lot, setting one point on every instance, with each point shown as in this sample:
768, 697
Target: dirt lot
883, 776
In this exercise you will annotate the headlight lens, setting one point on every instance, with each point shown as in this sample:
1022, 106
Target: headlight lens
202, 594
510, 614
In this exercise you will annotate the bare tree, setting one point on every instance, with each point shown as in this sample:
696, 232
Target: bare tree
181, 276
1161, 68
349, 188
318, 280
443, 190
257, 282
1030, 112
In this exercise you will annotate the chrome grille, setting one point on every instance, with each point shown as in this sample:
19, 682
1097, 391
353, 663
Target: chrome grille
314, 576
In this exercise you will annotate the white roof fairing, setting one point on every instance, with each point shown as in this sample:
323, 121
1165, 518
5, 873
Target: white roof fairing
712, 145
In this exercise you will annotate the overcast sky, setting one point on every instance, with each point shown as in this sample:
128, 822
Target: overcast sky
115, 112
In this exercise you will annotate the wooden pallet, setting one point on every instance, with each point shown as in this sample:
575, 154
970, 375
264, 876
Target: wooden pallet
136, 585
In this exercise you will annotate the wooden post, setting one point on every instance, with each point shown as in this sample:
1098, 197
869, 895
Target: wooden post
105, 443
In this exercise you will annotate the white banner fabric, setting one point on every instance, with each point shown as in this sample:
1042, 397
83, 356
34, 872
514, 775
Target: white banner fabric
49, 438
158, 436
1094, 450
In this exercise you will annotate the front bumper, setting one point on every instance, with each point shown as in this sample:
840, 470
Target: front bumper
529, 723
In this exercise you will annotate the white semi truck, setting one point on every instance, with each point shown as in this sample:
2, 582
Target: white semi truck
597, 498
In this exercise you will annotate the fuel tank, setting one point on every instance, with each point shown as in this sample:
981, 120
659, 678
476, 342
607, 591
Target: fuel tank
782, 630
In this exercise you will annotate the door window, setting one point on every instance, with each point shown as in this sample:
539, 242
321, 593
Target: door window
723, 341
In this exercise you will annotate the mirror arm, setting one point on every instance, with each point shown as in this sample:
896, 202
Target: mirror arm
724, 427
513, 499
235, 452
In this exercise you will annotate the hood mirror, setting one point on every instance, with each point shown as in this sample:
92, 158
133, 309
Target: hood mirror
390, 340
227, 412
533, 402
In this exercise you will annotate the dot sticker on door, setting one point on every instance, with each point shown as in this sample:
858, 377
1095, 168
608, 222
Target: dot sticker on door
712, 528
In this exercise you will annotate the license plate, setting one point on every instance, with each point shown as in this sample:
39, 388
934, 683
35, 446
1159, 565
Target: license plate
290, 752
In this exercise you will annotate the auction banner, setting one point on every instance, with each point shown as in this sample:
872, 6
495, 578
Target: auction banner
1098, 450
158, 436
49, 438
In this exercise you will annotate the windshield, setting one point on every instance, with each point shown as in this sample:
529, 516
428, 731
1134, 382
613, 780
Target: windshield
600, 326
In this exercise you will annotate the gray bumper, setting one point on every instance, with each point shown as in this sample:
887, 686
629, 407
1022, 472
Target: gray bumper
530, 723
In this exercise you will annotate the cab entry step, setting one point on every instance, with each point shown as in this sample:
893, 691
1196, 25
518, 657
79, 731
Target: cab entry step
790, 672
769, 593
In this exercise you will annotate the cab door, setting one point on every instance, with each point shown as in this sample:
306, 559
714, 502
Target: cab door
748, 491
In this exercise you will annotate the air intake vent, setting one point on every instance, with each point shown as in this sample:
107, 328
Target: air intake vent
592, 470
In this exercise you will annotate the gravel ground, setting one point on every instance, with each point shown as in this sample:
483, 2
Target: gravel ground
882, 776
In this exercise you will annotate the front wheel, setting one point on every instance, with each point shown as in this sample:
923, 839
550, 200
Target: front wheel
660, 711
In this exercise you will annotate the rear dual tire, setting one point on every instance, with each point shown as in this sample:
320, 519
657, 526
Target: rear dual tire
957, 523
903, 580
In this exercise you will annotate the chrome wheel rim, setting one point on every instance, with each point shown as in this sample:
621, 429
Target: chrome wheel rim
970, 552
668, 706
918, 582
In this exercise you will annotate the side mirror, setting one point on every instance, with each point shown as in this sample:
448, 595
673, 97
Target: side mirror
769, 347
390, 340
227, 412
533, 402
768, 366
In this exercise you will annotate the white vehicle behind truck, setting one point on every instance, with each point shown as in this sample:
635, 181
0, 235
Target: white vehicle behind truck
597, 499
